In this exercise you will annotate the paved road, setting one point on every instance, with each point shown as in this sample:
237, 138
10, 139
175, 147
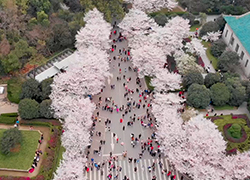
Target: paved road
117, 95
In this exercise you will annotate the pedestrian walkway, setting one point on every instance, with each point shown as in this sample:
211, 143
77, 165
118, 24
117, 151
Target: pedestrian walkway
142, 172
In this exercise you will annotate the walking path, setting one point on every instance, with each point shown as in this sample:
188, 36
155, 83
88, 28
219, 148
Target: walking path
119, 69
46, 134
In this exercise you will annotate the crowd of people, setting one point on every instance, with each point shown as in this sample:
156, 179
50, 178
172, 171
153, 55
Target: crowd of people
127, 111
38, 153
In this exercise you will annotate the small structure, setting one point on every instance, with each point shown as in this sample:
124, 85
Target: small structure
1, 90
237, 36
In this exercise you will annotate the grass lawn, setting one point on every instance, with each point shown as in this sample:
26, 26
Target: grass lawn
227, 119
226, 107
148, 79
14, 89
24, 158
193, 28
209, 55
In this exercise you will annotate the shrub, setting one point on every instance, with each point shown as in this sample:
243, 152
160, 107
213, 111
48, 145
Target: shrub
198, 96
45, 110
28, 109
30, 89
228, 60
210, 26
211, 79
220, 94
161, 19
218, 47
190, 17
192, 77
238, 91
45, 88
235, 130
10, 139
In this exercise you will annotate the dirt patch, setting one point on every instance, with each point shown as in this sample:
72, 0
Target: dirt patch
16, 148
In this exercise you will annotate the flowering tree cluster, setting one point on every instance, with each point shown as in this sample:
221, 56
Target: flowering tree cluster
95, 33
186, 63
77, 115
211, 36
195, 46
150, 44
165, 81
152, 5
86, 75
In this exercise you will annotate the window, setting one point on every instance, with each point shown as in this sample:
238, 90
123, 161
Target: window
241, 55
237, 48
226, 33
246, 63
232, 41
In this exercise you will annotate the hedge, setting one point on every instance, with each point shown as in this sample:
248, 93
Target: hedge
9, 114
7, 120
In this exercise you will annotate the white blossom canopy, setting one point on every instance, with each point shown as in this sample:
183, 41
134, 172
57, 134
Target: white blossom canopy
211, 36
149, 59
95, 33
187, 63
137, 22
152, 5
165, 81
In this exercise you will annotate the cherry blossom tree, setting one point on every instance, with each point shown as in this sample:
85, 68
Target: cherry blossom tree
165, 81
87, 76
137, 22
187, 63
149, 60
211, 36
77, 113
195, 46
95, 33
152, 5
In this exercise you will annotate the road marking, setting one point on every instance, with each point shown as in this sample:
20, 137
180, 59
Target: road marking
118, 154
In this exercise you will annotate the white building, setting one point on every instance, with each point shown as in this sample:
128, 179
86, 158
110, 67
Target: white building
237, 37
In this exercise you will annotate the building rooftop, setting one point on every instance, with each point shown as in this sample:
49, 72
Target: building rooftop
241, 27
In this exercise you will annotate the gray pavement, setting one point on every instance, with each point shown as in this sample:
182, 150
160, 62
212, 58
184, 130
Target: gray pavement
124, 143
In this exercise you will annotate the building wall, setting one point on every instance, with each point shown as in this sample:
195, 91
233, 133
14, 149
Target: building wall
228, 35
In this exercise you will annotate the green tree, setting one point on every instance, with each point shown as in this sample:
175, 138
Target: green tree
192, 77
43, 18
45, 88
211, 79
74, 5
221, 22
190, 17
210, 26
45, 110
198, 96
30, 89
227, 75
38, 5
203, 18
218, 47
228, 61
161, 19
10, 139
238, 91
220, 94
28, 109
11, 63
61, 38
87, 4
